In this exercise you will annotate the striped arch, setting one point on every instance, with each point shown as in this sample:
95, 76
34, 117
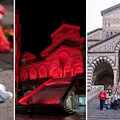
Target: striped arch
117, 48
97, 61
91, 68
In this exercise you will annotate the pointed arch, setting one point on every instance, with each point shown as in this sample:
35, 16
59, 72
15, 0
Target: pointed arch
33, 73
43, 71
24, 75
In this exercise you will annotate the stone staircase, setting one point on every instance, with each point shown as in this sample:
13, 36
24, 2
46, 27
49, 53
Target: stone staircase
94, 112
52, 110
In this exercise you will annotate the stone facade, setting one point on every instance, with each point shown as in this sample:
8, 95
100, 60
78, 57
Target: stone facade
94, 37
111, 21
63, 58
105, 50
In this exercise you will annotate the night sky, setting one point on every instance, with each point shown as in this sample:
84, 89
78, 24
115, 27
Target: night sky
39, 20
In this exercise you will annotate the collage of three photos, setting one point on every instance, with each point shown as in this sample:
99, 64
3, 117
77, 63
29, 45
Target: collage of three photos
60, 61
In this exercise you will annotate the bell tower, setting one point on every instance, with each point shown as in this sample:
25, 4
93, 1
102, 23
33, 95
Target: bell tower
111, 21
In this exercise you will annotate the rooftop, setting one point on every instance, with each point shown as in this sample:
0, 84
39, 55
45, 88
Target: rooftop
110, 9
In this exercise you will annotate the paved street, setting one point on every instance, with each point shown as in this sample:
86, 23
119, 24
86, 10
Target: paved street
79, 115
6, 78
94, 113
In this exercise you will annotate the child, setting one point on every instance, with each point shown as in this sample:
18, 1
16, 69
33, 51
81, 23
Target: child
115, 101
109, 103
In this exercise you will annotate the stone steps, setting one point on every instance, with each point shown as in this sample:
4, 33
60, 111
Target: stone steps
94, 113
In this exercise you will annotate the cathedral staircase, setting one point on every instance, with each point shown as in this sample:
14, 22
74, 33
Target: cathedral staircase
47, 98
49, 92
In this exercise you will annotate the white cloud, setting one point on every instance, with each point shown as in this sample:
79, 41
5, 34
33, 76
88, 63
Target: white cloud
94, 8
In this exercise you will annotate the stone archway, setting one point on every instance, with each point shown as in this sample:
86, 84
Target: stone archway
103, 75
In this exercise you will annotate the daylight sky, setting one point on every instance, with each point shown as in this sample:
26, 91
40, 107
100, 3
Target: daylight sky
94, 8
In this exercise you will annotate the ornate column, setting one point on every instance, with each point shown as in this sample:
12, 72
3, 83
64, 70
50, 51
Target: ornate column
115, 77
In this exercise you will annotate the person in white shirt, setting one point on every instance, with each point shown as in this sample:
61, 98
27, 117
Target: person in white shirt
115, 101
107, 97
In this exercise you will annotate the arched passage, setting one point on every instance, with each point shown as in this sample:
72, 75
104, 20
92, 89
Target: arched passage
103, 75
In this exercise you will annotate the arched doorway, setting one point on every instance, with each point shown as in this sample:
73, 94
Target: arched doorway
64, 65
103, 75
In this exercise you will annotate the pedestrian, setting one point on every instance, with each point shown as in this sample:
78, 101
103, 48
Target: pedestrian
119, 99
102, 97
115, 101
109, 88
112, 100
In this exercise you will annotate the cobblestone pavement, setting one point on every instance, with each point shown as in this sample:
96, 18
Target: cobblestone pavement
9, 18
79, 115
94, 112
7, 79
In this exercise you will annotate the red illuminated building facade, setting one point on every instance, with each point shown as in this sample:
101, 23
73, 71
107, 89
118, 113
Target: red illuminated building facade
54, 76
62, 58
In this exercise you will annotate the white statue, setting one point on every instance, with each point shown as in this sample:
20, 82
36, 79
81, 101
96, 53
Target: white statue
4, 95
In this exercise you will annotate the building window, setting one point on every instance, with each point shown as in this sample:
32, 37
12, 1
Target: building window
111, 34
107, 34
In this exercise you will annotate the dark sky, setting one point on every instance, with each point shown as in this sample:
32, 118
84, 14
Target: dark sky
39, 20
